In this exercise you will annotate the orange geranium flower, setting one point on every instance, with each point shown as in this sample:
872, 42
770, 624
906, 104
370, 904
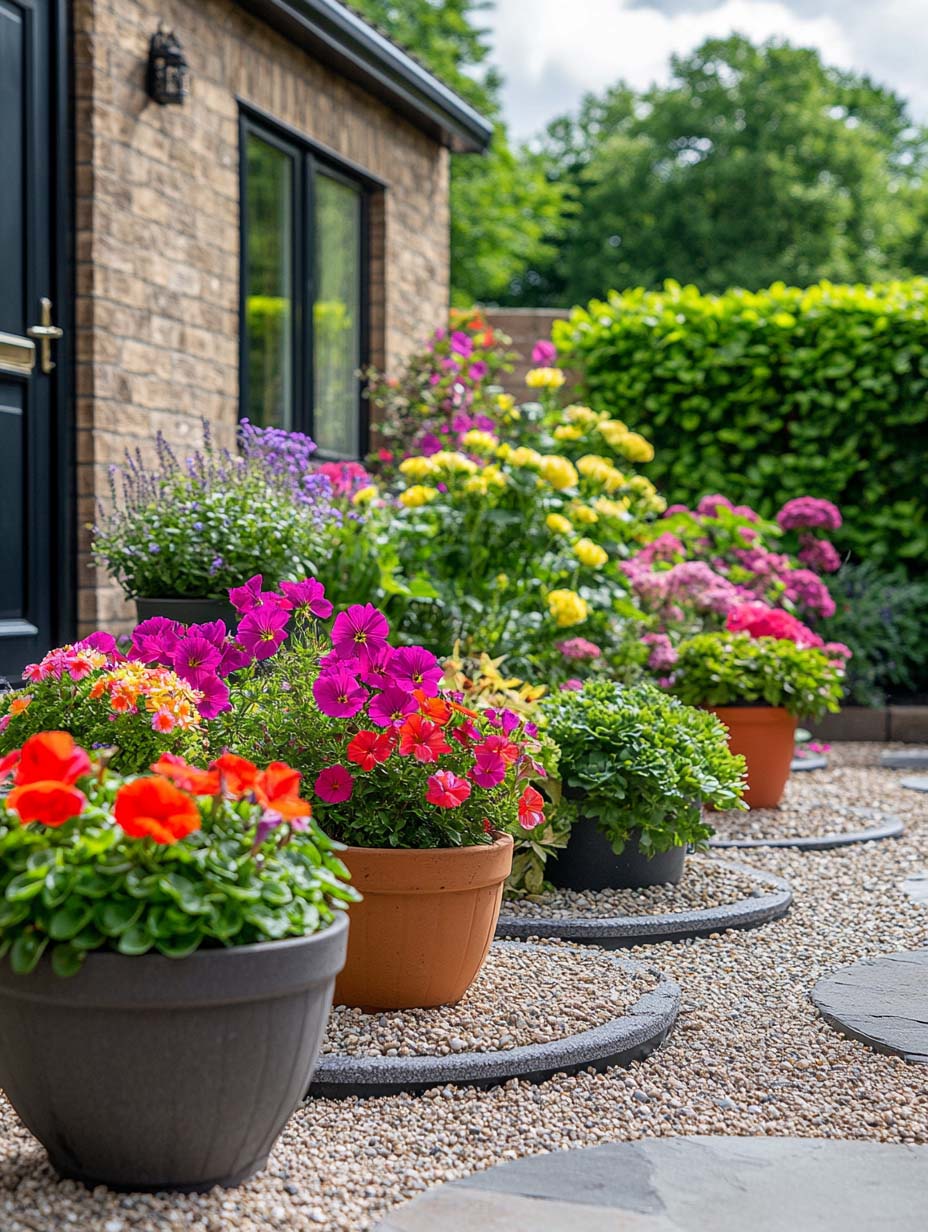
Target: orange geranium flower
278, 789
187, 778
434, 708
237, 774
154, 808
47, 801
51, 756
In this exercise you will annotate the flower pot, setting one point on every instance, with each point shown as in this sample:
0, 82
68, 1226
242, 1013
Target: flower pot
188, 611
589, 863
156, 1073
422, 930
765, 736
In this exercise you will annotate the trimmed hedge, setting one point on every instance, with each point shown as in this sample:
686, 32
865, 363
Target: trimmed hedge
772, 394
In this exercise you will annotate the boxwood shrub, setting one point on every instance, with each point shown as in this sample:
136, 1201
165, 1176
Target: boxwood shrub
773, 394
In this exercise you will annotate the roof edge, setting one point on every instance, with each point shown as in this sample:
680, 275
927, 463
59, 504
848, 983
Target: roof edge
338, 36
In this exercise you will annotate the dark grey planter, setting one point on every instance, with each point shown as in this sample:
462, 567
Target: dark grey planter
188, 611
155, 1073
589, 863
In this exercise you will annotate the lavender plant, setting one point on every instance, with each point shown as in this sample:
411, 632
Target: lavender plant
195, 528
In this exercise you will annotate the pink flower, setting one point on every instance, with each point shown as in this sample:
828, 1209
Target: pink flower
334, 785
359, 629
391, 706
338, 693
461, 343
262, 630
478, 371
414, 667
465, 733
544, 353
572, 686
819, 554
153, 640
709, 506
308, 597
104, 642
247, 597
162, 721
761, 621
806, 589
531, 808
663, 657
809, 512
446, 789
215, 697
195, 659
375, 669
489, 768
578, 648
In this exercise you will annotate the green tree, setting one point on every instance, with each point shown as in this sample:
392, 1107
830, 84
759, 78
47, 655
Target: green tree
754, 164
506, 211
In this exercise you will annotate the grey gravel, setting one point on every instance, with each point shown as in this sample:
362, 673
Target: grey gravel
748, 1033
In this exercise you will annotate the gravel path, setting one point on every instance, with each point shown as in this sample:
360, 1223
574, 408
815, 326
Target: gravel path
749, 1056
706, 882
532, 997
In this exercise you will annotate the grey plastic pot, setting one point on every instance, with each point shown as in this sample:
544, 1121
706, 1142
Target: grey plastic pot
154, 1073
188, 611
589, 863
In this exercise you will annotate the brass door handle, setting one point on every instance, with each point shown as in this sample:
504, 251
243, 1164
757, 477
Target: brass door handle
45, 334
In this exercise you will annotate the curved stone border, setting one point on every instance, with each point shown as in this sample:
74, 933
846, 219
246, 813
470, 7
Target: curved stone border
621, 931
619, 1042
815, 762
883, 1002
891, 827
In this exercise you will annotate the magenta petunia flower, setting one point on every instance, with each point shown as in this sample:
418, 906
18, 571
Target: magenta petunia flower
461, 343
247, 597
153, 640
544, 353
215, 697
478, 370
262, 630
104, 642
338, 693
308, 596
414, 667
375, 669
214, 631
489, 768
360, 627
334, 785
195, 659
390, 706
233, 657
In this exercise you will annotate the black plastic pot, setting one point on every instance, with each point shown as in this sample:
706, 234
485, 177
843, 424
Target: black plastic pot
156, 1073
188, 611
589, 863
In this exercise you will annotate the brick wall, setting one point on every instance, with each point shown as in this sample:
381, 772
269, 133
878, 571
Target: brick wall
157, 240
524, 326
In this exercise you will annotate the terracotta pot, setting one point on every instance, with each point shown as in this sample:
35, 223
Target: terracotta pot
421, 932
765, 736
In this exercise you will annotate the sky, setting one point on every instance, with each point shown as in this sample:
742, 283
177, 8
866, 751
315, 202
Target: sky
552, 52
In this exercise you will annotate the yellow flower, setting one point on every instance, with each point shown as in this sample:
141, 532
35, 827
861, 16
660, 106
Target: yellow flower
454, 462
558, 524
567, 608
583, 415
610, 508
502, 581
479, 442
568, 432
493, 475
504, 452
476, 484
544, 378
417, 467
612, 430
583, 513
505, 402
559, 472
417, 495
590, 553
364, 496
592, 465
634, 447
523, 456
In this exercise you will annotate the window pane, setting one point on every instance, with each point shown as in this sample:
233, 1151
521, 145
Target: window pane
269, 283
337, 317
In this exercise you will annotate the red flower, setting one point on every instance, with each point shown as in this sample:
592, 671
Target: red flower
50, 756
423, 739
531, 809
369, 748
446, 789
187, 778
154, 808
237, 774
278, 789
49, 802
334, 784
8, 764
508, 751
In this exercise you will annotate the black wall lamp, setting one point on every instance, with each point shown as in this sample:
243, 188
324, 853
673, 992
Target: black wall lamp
167, 69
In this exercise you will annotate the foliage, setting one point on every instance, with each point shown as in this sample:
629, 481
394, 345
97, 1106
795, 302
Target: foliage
193, 529
134, 711
735, 668
133, 865
753, 163
880, 614
770, 395
390, 760
634, 758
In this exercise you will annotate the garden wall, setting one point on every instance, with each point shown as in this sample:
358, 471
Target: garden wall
524, 326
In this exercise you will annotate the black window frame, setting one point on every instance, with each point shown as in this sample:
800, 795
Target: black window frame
308, 157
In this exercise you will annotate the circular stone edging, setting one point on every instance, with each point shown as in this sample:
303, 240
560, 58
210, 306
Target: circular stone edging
892, 827
639, 1031
622, 931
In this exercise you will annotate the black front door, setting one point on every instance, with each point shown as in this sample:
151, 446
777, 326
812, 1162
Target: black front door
32, 384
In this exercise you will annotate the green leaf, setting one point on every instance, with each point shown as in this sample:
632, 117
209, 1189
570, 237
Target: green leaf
24, 886
66, 960
113, 918
26, 951
135, 940
69, 919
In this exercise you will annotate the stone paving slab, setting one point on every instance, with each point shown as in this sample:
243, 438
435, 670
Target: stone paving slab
904, 759
882, 1002
771, 901
814, 761
636, 1034
916, 886
916, 782
888, 826
697, 1184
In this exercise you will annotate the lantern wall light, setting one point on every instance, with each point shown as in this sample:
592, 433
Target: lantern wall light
167, 68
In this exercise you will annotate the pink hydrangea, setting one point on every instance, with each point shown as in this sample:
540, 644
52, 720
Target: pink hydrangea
578, 648
807, 513
807, 590
663, 657
761, 621
709, 506
819, 554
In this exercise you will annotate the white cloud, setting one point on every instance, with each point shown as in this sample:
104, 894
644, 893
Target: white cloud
551, 52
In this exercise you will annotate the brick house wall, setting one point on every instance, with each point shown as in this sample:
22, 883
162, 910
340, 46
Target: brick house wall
157, 229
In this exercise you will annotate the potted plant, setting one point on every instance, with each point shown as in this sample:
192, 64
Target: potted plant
759, 676
421, 789
170, 944
637, 767
178, 535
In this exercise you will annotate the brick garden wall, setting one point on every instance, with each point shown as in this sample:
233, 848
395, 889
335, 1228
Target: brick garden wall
157, 228
524, 326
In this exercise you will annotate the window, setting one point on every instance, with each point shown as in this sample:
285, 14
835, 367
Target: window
303, 290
